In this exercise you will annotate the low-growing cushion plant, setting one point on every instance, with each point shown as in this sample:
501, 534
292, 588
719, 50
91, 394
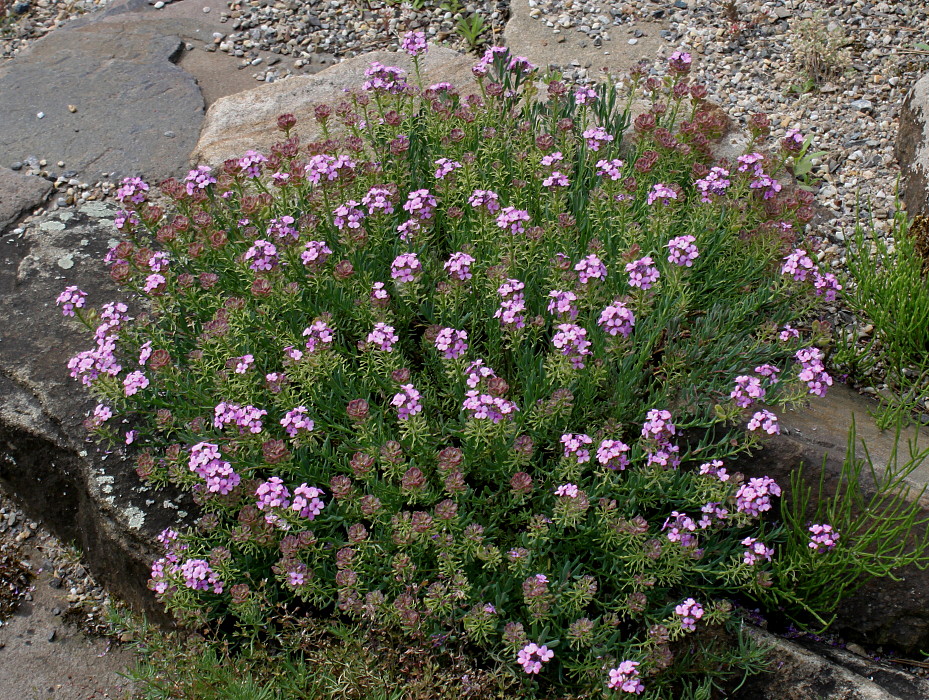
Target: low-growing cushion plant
471, 368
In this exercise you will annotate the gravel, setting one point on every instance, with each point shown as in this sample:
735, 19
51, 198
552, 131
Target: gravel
32, 20
27, 550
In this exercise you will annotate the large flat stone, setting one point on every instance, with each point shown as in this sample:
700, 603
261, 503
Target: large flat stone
84, 494
248, 119
807, 671
912, 148
19, 194
887, 612
137, 112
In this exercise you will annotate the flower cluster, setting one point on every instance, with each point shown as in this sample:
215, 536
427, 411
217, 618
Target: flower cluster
71, 298
755, 550
813, 371
822, 538
625, 677
532, 656
683, 251
451, 343
590, 268
406, 401
571, 341
383, 337
689, 611
754, 498
642, 273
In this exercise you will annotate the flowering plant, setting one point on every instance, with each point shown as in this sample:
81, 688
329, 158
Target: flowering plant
473, 367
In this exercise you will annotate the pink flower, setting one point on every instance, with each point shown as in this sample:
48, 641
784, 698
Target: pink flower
584, 95
765, 420
596, 137
263, 255
662, 192
562, 304
572, 341
822, 538
72, 298
617, 319
406, 401
199, 179
716, 183
613, 454
384, 79
135, 382
610, 168
826, 285
251, 163
446, 167
679, 62
590, 268
625, 677
690, 611
575, 444
318, 336
133, 189
683, 252
200, 577
556, 179
378, 199
315, 254
295, 420
512, 218
747, 390
798, 264
531, 657
414, 43
420, 204
755, 550
405, 267
451, 343
348, 215
812, 370
642, 273
383, 337
307, 502
567, 490
485, 198
459, 266
754, 497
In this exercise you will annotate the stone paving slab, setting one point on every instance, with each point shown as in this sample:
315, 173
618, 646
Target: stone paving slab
110, 98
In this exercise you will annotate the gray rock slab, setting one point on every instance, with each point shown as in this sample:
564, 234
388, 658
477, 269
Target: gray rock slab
892, 612
912, 148
526, 36
248, 119
136, 111
817, 671
20, 194
84, 494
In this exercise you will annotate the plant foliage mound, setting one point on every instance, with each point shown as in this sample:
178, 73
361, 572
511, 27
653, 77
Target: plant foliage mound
471, 368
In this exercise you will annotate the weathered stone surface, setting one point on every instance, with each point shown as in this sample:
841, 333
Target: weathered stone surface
137, 112
529, 37
248, 119
82, 493
806, 671
19, 194
884, 611
912, 149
